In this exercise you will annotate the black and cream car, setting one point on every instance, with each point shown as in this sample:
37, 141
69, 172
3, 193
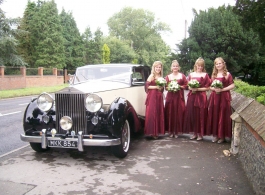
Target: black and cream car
102, 106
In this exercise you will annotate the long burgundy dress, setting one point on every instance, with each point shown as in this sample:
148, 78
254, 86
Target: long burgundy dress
154, 114
219, 123
196, 110
175, 108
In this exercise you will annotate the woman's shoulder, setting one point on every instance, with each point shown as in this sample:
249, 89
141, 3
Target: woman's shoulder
150, 78
203, 74
206, 75
228, 75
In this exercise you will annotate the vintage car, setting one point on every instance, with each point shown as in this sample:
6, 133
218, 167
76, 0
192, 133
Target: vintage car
102, 106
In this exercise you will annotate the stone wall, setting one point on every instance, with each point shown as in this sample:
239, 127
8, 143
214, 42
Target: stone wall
249, 138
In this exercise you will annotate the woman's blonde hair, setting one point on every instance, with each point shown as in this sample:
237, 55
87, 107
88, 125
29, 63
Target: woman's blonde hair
200, 61
174, 62
215, 71
155, 64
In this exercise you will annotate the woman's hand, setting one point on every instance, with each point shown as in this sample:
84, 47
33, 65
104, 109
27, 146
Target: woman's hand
193, 89
218, 90
159, 88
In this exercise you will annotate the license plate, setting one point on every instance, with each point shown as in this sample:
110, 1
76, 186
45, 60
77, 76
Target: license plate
62, 143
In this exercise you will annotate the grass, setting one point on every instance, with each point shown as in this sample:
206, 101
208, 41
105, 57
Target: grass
29, 91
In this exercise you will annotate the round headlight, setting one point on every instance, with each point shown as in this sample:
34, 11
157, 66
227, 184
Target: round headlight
45, 102
66, 123
93, 103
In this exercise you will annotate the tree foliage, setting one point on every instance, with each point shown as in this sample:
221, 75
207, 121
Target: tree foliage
92, 46
44, 46
49, 49
8, 42
105, 54
73, 43
121, 52
139, 28
252, 17
219, 33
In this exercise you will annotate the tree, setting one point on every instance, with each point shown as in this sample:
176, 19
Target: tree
8, 42
139, 29
26, 44
105, 54
219, 33
121, 52
246, 9
73, 43
45, 42
49, 49
92, 46
252, 15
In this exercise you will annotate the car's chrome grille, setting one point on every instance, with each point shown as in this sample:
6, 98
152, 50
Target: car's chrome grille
71, 105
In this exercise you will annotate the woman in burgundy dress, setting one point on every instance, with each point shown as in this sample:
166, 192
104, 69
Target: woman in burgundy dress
219, 123
175, 101
196, 109
154, 114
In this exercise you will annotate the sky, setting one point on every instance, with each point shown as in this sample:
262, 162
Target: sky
95, 13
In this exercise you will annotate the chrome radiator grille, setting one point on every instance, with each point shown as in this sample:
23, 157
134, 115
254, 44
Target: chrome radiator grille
71, 105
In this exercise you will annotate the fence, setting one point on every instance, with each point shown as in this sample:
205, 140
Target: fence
22, 77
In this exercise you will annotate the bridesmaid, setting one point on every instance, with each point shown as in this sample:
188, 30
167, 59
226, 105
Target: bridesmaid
175, 102
219, 123
154, 114
196, 109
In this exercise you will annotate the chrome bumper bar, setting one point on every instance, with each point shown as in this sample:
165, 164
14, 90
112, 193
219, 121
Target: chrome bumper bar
80, 141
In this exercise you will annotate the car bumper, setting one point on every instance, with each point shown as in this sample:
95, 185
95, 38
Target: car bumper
80, 141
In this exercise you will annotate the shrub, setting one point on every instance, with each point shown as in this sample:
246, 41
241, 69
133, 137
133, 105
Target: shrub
252, 91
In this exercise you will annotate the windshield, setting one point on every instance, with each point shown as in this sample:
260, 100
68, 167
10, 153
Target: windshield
107, 73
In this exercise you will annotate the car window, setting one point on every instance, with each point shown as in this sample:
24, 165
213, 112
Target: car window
137, 76
108, 73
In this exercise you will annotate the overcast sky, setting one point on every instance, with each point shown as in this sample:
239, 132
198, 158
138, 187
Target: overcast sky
95, 13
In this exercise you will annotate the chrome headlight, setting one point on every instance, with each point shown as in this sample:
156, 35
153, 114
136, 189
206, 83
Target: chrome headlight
45, 102
66, 123
93, 103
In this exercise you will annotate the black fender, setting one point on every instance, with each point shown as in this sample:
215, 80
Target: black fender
32, 120
121, 110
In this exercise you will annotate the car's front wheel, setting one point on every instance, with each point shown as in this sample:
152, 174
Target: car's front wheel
37, 147
121, 150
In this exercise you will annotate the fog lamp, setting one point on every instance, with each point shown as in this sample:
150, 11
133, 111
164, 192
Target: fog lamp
66, 123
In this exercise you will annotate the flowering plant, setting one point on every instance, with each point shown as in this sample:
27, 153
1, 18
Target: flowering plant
193, 83
217, 84
161, 82
173, 86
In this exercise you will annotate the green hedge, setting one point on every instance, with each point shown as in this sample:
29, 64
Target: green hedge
252, 91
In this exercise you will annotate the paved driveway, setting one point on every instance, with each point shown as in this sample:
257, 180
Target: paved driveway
164, 166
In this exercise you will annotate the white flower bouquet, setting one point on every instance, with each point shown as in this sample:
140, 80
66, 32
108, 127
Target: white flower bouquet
217, 84
161, 82
193, 83
173, 86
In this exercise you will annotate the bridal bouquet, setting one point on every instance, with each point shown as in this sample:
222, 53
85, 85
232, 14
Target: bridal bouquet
193, 83
161, 82
173, 86
217, 84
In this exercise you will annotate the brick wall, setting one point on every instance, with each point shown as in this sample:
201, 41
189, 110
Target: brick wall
24, 81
